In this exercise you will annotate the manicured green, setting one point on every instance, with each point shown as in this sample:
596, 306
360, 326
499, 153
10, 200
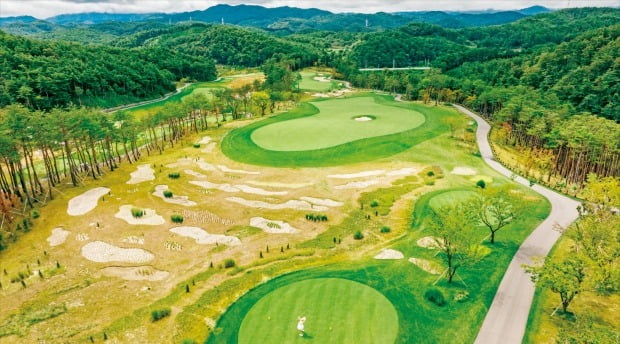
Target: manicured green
239, 145
207, 91
335, 124
336, 310
450, 197
307, 82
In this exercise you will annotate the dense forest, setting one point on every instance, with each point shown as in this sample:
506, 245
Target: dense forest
43, 75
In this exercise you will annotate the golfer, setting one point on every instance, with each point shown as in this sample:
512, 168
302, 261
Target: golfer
301, 326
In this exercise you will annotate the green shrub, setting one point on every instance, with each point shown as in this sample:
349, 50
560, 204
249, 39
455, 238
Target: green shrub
316, 217
196, 145
168, 194
273, 225
374, 203
35, 214
229, 263
435, 296
137, 212
385, 229
358, 235
174, 175
176, 218
461, 296
481, 184
158, 314
430, 173
429, 182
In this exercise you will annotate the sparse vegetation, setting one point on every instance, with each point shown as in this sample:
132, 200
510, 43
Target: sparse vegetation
137, 212
176, 218
159, 314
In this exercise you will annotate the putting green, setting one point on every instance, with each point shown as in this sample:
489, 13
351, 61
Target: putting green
335, 124
450, 197
308, 83
337, 311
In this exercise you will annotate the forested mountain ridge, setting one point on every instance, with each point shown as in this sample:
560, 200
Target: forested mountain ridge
43, 74
226, 44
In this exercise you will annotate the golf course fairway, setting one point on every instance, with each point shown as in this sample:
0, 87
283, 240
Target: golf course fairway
337, 311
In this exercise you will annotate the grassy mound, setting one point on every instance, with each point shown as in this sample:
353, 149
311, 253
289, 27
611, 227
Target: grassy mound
238, 144
334, 125
337, 311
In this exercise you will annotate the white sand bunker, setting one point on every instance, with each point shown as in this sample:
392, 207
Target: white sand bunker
272, 226
357, 175
58, 236
322, 201
428, 242
205, 140
426, 265
181, 162
389, 253
321, 79
85, 202
230, 170
142, 174
205, 166
209, 185
209, 148
204, 238
181, 200
463, 171
280, 185
194, 174
363, 119
259, 191
135, 273
101, 252
407, 171
292, 204
356, 185
149, 217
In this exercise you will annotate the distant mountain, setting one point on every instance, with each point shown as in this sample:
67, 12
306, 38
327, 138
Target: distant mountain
534, 10
96, 18
20, 19
463, 19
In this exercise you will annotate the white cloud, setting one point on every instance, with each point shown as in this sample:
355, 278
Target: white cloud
47, 8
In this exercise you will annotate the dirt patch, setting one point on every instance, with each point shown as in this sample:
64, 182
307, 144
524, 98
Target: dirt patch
181, 200
101, 252
135, 273
205, 140
59, 235
272, 226
209, 185
194, 174
407, 171
203, 237
85, 202
150, 217
426, 265
258, 191
142, 174
292, 204
280, 185
230, 170
356, 185
389, 253
357, 175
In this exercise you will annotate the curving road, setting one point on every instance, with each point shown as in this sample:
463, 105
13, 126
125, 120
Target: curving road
507, 318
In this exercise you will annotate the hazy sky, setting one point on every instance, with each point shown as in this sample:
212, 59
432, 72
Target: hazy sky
48, 8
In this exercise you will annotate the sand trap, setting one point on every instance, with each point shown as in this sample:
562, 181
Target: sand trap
363, 119
258, 191
426, 265
205, 140
181, 200
150, 217
209, 185
101, 252
204, 238
194, 174
357, 175
389, 253
230, 170
85, 202
272, 226
320, 95
181, 162
428, 242
205, 166
142, 174
292, 204
356, 185
58, 236
209, 148
321, 79
135, 273
322, 201
280, 185
463, 171
407, 171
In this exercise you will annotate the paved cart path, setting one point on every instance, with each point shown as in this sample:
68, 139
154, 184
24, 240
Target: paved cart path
506, 320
